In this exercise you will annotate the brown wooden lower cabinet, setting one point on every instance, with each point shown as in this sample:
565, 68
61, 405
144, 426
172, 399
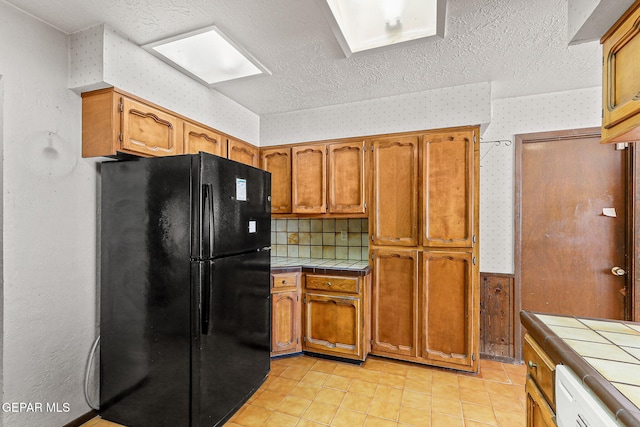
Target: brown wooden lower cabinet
286, 303
394, 307
336, 316
539, 413
448, 307
540, 385
425, 307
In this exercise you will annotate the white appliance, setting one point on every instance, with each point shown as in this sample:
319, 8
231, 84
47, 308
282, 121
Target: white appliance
576, 405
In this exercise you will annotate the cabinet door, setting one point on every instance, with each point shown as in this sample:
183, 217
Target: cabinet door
243, 152
285, 322
395, 191
278, 162
539, 413
309, 182
448, 189
449, 322
620, 85
347, 193
149, 131
332, 324
198, 138
394, 309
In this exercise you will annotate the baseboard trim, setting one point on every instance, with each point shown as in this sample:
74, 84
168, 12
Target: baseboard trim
82, 419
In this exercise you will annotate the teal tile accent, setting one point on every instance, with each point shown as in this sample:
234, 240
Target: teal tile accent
343, 239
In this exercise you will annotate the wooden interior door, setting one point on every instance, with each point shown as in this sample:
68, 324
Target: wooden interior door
566, 241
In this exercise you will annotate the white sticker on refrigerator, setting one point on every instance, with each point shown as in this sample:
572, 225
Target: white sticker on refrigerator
252, 226
241, 190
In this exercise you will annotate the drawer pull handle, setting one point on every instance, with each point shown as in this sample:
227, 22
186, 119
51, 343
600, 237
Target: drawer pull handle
532, 365
328, 283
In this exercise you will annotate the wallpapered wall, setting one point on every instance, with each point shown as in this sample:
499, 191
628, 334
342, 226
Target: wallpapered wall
454, 106
100, 57
513, 116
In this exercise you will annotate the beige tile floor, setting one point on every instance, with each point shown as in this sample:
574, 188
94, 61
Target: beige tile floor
305, 391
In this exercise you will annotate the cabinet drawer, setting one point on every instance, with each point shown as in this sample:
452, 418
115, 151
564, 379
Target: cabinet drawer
332, 283
284, 280
540, 368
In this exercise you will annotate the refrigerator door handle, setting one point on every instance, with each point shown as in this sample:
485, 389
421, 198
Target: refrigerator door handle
205, 310
208, 229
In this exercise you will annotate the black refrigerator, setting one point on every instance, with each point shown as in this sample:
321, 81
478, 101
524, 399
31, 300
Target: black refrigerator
184, 289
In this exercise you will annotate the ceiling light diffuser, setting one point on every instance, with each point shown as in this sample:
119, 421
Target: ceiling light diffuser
207, 55
362, 25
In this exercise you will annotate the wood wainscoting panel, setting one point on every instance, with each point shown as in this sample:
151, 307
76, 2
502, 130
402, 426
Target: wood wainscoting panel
497, 316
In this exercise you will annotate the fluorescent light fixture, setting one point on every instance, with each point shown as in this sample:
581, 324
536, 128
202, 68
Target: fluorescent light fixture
361, 25
207, 55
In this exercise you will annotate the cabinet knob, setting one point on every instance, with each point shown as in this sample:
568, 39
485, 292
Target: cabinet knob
284, 282
328, 283
532, 365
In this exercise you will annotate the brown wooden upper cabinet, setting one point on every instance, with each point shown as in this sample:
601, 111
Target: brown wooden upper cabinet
395, 167
347, 178
198, 138
447, 189
277, 160
329, 178
309, 179
114, 122
620, 84
243, 152
448, 183
148, 130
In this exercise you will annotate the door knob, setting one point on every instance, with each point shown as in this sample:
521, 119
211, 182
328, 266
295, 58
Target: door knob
617, 271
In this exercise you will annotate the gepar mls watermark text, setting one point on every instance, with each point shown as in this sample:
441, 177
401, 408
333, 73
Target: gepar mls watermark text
35, 407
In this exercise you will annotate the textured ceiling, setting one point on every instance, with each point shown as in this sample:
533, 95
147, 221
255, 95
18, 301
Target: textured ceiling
521, 46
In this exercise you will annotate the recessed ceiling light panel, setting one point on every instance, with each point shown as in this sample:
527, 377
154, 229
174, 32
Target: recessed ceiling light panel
362, 25
207, 55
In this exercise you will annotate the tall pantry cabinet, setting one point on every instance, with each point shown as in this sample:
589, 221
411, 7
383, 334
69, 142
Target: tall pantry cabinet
424, 247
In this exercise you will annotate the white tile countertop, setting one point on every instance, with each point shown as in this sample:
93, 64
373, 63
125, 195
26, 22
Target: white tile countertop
611, 348
338, 264
604, 354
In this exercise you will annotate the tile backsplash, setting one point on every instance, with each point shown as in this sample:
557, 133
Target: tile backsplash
320, 238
